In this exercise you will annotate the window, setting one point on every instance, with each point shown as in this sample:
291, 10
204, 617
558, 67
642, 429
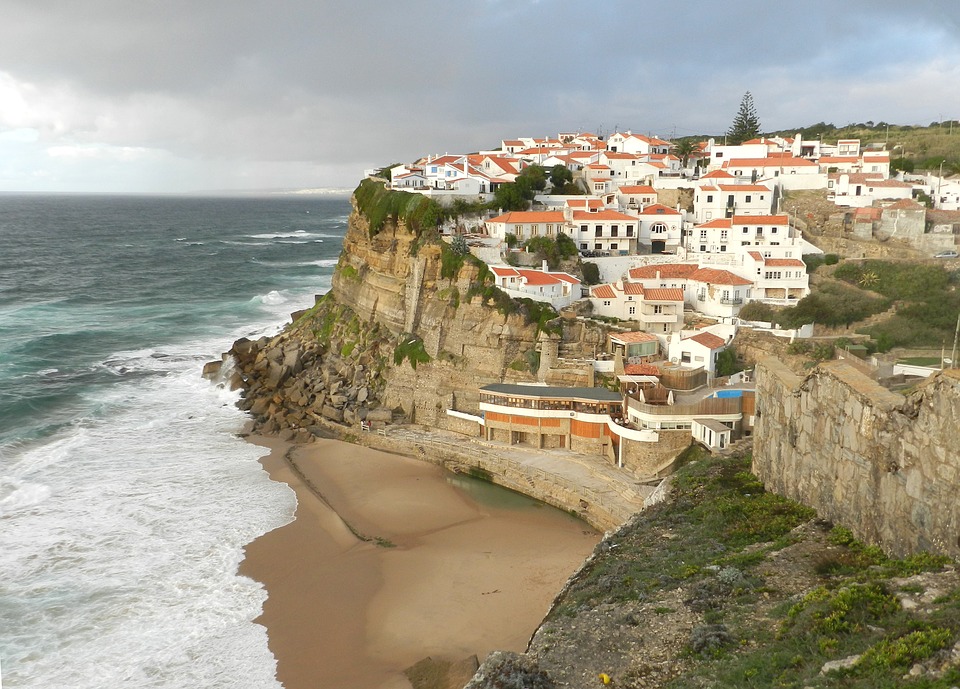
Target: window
584, 228
658, 308
709, 198
703, 234
746, 230
719, 154
723, 247
773, 230
597, 246
726, 294
629, 230
703, 247
534, 230
613, 246
658, 228
632, 310
614, 230
666, 327
606, 302
748, 199
549, 229
583, 246
723, 235
746, 243
598, 231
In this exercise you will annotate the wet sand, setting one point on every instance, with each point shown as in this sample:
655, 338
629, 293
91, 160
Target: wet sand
442, 574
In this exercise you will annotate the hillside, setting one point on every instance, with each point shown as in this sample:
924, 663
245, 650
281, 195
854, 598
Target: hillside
726, 585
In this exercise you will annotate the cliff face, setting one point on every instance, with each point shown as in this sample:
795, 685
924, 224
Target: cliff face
407, 331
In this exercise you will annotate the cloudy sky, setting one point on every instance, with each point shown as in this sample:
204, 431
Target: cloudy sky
215, 95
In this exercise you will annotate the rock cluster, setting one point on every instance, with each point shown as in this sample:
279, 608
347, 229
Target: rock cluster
297, 384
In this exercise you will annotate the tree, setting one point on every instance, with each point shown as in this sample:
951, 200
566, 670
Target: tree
726, 364
746, 125
684, 149
560, 175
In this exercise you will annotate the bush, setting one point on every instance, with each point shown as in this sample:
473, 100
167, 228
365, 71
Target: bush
832, 305
758, 311
591, 273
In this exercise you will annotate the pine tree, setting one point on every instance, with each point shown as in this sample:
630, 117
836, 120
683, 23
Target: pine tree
746, 125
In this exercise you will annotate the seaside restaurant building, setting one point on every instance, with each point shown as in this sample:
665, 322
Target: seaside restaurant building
550, 417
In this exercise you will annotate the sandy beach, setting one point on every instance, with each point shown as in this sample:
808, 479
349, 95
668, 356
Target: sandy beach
446, 571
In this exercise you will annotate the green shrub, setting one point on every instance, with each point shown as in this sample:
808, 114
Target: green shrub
901, 653
591, 273
410, 348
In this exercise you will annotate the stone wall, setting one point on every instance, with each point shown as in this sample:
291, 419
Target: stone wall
884, 465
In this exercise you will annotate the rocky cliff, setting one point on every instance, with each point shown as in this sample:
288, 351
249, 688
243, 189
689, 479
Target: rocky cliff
408, 330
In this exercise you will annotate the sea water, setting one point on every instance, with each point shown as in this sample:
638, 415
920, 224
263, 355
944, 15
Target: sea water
125, 494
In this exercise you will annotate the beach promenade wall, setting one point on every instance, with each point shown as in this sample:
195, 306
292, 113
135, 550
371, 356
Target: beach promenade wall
604, 510
884, 465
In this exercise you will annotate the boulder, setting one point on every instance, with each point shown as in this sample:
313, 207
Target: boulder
381, 415
211, 369
332, 413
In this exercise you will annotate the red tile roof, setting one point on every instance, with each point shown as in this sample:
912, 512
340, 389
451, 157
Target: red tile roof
633, 337
663, 270
760, 220
708, 340
517, 217
659, 209
715, 276
632, 288
637, 189
641, 370
785, 263
743, 187
718, 222
662, 294
603, 292
602, 215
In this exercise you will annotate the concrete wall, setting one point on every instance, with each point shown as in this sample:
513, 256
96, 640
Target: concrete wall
883, 465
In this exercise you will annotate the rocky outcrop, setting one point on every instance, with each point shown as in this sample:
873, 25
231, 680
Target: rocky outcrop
407, 331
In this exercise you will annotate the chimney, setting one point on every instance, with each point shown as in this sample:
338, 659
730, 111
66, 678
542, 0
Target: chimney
543, 266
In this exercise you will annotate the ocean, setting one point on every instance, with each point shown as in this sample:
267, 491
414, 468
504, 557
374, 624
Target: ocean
126, 496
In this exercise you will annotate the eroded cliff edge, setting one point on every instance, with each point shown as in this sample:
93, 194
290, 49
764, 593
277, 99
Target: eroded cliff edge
408, 330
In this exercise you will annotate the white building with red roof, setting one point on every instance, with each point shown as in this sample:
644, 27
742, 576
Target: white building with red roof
777, 278
605, 231
712, 201
661, 228
628, 142
697, 350
859, 190
656, 310
557, 288
711, 291
526, 225
635, 196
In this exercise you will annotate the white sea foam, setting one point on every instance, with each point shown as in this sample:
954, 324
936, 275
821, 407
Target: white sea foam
122, 537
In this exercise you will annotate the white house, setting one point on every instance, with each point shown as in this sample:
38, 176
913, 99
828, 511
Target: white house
711, 291
777, 278
657, 310
525, 225
661, 228
635, 196
859, 190
606, 231
628, 142
727, 200
557, 288
697, 350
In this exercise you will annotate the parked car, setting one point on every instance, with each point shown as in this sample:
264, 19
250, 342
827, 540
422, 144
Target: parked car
946, 254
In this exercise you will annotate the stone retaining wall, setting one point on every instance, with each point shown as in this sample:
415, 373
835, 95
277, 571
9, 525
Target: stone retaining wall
884, 465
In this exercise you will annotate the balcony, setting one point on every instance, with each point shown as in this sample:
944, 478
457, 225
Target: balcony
733, 301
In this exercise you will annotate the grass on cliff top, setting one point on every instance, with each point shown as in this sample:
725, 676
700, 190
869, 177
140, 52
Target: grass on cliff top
714, 539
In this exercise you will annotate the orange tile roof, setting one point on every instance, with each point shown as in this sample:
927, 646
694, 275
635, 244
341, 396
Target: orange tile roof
503, 272
641, 370
602, 215
537, 277
665, 270
743, 187
632, 288
760, 220
659, 209
662, 294
907, 204
868, 213
715, 276
717, 174
708, 340
637, 189
516, 217
785, 262
756, 255
603, 292
633, 337
718, 222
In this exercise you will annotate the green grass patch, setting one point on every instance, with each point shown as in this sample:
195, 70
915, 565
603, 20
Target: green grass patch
410, 348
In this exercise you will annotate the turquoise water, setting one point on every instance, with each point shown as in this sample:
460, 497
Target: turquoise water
120, 527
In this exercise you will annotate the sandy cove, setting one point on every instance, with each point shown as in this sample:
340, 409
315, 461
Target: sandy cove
441, 574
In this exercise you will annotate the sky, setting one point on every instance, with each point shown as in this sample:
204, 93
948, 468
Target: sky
203, 96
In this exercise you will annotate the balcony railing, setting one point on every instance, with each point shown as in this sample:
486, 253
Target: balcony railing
735, 301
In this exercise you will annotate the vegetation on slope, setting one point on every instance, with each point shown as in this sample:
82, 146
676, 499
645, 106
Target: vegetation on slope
765, 595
